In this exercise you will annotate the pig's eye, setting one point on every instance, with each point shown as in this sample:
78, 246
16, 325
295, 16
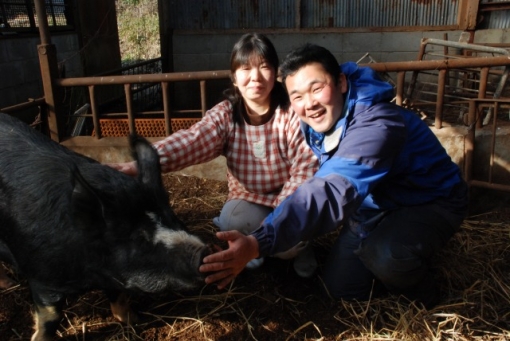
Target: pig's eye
141, 235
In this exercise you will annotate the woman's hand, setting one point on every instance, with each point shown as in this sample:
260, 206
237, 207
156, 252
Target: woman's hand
227, 264
129, 168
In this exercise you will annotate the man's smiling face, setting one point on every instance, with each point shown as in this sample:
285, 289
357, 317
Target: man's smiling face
315, 97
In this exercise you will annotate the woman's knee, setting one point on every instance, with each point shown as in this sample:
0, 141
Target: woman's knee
242, 216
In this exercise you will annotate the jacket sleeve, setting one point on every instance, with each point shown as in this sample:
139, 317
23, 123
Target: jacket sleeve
202, 142
303, 162
361, 160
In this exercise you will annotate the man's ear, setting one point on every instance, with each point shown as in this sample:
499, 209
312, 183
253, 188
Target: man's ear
342, 82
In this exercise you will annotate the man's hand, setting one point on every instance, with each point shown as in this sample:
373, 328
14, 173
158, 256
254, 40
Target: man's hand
227, 264
129, 168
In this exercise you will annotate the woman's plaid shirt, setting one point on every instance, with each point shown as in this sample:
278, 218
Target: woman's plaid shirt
265, 163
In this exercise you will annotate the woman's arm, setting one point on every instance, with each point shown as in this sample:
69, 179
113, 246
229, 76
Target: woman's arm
200, 143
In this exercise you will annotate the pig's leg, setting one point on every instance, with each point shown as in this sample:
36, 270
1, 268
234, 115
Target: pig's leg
47, 319
5, 281
48, 312
6, 255
119, 304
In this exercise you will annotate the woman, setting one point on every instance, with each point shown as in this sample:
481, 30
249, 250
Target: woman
267, 157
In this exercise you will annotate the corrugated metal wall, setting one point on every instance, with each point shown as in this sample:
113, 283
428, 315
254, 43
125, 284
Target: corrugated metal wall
232, 14
378, 13
239, 14
496, 19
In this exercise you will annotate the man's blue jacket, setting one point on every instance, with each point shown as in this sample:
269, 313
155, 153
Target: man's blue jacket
378, 157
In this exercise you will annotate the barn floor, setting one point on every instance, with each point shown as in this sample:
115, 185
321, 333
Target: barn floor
273, 303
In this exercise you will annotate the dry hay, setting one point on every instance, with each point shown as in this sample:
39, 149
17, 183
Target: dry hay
272, 303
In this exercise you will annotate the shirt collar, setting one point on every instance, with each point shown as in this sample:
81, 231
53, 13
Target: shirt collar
333, 136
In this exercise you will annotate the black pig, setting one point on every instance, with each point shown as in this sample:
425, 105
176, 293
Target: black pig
69, 224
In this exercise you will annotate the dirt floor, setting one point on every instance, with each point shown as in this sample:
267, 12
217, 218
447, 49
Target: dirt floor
273, 303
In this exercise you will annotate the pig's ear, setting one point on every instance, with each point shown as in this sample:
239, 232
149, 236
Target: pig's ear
87, 207
149, 169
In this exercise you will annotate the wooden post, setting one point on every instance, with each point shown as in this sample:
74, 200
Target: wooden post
49, 71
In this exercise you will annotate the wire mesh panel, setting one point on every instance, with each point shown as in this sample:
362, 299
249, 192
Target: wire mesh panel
20, 15
144, 127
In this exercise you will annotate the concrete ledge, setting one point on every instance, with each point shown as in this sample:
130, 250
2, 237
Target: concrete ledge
453, 139
116, 149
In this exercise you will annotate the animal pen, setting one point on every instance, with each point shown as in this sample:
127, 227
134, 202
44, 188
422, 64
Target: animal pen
457, 87
469, 92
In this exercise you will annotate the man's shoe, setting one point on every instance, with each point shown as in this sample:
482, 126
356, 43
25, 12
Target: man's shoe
305, 263
255, 263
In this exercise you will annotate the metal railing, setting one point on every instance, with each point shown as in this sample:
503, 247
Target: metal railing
164, 79
32, 105
443, 67
476, 108
460, 85
145, 95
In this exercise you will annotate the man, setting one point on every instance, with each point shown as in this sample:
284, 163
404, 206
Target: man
383, 177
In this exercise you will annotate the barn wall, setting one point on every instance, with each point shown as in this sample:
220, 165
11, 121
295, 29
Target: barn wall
204, 50
98, 32
93, 47
201, 51
310, 14
19, 66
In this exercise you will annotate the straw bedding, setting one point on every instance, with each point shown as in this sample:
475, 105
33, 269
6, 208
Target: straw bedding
272, 303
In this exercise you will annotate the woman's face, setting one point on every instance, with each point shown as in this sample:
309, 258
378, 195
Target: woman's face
255, 80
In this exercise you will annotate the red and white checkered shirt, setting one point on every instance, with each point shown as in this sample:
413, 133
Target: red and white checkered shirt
265, 163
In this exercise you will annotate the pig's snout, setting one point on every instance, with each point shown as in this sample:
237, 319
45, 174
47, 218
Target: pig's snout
206, 251
209, 249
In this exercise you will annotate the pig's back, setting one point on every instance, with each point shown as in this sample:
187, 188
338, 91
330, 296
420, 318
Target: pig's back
37, 179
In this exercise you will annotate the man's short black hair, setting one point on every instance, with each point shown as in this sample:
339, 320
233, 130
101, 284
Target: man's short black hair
308, 54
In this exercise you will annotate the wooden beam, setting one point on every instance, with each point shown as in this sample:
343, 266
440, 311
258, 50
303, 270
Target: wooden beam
468, 14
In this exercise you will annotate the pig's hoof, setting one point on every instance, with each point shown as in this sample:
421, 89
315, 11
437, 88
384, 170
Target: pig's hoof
122, 311
127, 317
38, 336
6, 283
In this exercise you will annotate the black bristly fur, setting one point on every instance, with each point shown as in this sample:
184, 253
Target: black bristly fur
70, 224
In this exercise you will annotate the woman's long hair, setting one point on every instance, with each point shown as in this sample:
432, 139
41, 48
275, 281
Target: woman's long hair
248, 46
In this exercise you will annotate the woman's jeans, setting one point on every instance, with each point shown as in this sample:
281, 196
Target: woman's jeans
242, 216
